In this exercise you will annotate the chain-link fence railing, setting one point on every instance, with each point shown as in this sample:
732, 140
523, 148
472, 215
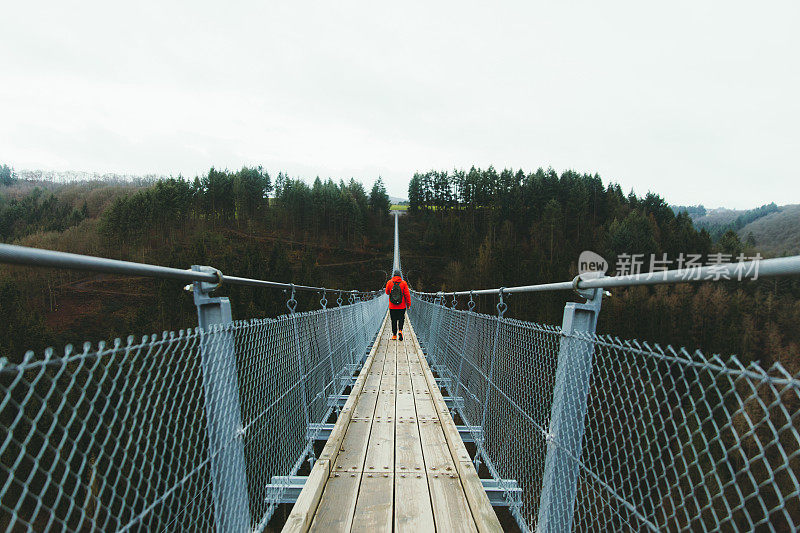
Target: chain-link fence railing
670, 441
133, 436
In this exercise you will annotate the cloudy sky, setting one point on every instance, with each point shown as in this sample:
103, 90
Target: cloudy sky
699, 101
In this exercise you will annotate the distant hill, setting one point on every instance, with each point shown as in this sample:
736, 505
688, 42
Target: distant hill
398, 200
777, 233
719, 216
775, 229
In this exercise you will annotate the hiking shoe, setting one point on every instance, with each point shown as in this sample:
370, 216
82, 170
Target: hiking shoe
400, 335
394, 337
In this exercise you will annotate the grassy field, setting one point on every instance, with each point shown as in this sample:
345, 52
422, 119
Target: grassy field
399, 207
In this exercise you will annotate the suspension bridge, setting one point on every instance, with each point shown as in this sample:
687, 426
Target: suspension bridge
474, 422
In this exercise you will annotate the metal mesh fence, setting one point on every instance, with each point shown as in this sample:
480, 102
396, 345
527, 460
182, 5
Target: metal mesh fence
117, 437
673, 441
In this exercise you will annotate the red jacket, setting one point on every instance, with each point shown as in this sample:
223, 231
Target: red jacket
403, 287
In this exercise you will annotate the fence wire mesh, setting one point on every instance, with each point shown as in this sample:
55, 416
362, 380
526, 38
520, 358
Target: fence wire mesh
116, 437
673, 440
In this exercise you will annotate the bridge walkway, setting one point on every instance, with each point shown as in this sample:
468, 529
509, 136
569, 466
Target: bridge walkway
394, 460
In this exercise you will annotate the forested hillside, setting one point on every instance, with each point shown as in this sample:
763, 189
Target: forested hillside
482, 228
334, 234
464, 229
719, 221
777, 233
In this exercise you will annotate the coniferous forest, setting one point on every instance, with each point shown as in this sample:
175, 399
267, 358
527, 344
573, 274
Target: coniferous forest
476, 228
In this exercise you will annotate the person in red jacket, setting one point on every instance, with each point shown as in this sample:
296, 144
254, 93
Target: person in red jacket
399, 301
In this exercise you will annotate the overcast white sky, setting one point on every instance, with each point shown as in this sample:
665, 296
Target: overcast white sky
698, 101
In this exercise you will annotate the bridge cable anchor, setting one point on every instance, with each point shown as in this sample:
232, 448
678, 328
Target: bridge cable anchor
291, 303
205, 287
589, 294
502, 306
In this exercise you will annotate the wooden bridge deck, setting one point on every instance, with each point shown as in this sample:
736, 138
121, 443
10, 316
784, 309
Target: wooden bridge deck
394, 460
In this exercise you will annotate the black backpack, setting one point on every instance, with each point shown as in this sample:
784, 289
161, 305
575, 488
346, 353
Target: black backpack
396, 294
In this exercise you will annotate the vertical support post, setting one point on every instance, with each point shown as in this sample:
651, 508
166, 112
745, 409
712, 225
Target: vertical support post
444, 368
501, 310
436, 324
291, 304
363, 329
470, 307
568, 413
223, 414
346, 331
323, 302
356, 351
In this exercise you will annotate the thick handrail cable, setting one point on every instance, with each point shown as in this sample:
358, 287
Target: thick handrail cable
780, 266
37, 257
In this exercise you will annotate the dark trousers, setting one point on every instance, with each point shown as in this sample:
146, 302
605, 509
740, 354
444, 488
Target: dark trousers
398, 317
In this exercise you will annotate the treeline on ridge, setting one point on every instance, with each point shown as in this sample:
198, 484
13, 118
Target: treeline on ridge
343, 211
482, 228
242, 222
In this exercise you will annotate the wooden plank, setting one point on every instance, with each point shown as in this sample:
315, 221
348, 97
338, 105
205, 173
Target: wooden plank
482, 511
385, 406
450, 509
404, 380
418, 383
373, 380
408, 448
365, 407
353, 449
405, 408
404, 403
380, 447
434, 448
306, 505
425, 408
375, 504
413, 512
338, 503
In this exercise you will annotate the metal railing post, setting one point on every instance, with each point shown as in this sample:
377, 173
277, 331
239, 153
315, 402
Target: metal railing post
501, 309
363, 328
470, 307
355, 350
222, 408
447, 345
568, 414
437, 314
323, 302
291, 304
